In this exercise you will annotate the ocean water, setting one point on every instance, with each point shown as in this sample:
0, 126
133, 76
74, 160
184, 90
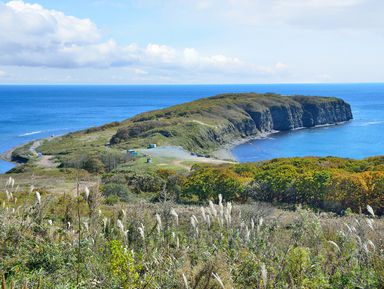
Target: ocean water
33, 112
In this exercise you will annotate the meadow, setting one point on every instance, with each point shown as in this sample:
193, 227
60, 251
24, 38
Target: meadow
78, 241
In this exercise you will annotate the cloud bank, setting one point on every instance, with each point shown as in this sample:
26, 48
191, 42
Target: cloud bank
33, 36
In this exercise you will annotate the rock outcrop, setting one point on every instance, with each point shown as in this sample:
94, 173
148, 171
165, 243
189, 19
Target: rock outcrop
206, 124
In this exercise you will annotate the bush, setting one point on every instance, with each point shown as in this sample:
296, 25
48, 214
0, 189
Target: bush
120, 191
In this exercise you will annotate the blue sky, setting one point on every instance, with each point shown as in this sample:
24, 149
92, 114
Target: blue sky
185, 41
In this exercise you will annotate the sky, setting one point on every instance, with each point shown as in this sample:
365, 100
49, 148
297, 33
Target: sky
191, 41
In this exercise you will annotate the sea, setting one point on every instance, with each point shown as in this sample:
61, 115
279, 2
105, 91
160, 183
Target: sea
29, 112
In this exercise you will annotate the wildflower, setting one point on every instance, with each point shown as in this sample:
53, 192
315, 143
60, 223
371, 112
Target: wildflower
50, 222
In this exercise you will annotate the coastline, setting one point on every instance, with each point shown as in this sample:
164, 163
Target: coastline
222, 154
225, 152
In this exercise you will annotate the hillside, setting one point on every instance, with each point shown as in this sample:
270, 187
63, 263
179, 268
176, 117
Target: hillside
202, 126
206, 124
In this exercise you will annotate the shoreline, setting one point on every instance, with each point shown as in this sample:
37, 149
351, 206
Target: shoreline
225, 152
222, 154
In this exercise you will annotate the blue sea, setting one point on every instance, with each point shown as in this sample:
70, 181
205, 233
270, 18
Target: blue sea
34, 111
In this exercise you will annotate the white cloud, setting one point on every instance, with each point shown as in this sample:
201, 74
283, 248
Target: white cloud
2, 73
315, 14
34, 36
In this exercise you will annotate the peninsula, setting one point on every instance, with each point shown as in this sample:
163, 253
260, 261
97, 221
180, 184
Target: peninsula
201, 127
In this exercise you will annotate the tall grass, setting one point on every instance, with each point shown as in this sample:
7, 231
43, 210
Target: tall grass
77, 242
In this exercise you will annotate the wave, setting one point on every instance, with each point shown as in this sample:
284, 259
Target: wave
368, 123
30, 133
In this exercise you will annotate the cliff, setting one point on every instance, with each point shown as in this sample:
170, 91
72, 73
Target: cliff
206, 124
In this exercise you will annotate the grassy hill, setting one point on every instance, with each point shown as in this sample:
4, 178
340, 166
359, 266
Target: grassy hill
202, 126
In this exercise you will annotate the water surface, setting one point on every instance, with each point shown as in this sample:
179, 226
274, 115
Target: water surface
32, 112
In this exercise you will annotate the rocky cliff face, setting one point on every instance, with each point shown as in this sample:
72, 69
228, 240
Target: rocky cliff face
301, 114
208, 123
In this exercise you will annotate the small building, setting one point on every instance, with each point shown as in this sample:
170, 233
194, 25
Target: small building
152, 146
133, 153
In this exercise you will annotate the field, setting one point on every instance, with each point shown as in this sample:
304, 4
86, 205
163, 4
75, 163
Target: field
64, 241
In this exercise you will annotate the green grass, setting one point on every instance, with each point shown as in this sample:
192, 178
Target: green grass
201, 126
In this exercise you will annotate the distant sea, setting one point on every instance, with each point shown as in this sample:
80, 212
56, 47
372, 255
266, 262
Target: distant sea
37, 111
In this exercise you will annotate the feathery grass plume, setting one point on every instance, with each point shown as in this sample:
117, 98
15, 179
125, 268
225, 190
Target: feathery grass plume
159, 225
105, 223
348, 227
203, 214
370, 223
335, 245
229, 208
8, 182
370, 210
242, 225
261, 221
209, 221
9, 195
50, 222
252, 224
193, 221
370, 244
86, 226
120, 225
247, 234
218, 279
220, 199
68, 225
358, 239
213, 209
86, 190
38, 198
141, 229
185, 281
31, 188
177, 242
175, 215
264, 275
